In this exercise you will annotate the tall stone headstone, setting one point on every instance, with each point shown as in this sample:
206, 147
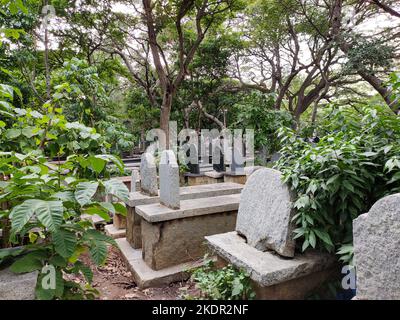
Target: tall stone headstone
265, 213
237, 165
218, 156
148, 175
169, 180
193, 157
376, 240
134, 178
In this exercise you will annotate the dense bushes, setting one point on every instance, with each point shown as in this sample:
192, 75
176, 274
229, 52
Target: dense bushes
356, 162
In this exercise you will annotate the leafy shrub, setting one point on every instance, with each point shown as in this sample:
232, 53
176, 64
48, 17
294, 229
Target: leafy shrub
256, 112
227, 283
43, 204
355, 163
46, 207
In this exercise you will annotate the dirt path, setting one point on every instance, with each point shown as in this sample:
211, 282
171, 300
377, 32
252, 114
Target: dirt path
114, 282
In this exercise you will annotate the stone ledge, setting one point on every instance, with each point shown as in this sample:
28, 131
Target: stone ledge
189, 208
267, 268
214, 174
144, 276
192, 192
17, 286
113, 232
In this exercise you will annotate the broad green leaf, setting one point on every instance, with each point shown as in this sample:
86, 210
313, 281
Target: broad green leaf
117, 188
120, 208
85, 191
64, 242
50, 214
97, 164
27, 263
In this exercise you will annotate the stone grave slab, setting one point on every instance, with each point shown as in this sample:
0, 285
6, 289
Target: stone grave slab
376, 240
265, 213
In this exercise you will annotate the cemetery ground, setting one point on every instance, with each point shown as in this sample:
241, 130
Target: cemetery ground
114, 282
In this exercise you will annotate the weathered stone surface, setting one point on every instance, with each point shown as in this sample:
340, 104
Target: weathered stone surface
238, 160
134, 178
267, 268
148, 175
144, 276
119, 221
17, 286
173, 242
189, 208
236, 178
214, 174
113, 232
198, 179
376, 238
191, 192
133, 229
265, 213
169, 180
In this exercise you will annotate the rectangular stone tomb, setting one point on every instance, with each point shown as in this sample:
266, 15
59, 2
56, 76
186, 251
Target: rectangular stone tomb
274, 277
171, 237
144, 276
133, 230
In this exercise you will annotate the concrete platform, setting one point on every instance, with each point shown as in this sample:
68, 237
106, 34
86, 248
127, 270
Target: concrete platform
113, 232
189, 208
267, 268
191, 192
146, 277
214, 174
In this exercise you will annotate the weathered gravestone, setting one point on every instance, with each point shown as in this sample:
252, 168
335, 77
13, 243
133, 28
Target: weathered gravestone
192, 155
169, 180
265, 213
134, 177
148, 175
237, 165
376, 239
218, 156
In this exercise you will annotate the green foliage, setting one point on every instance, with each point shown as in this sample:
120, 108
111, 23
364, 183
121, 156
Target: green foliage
369, 56
45, 202
255, 111
227, 283
46, 207
355, 163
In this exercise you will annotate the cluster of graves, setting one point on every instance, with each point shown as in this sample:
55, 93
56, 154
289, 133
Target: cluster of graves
170, 227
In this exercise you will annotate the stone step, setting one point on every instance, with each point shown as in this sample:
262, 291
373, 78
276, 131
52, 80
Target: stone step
192, 192
267, 268
146, 277
189, 208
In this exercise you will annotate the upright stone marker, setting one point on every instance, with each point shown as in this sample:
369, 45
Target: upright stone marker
218, 156
265, 213
237, 165
192, 155
148, 175
376, 239
169, 180
134, 178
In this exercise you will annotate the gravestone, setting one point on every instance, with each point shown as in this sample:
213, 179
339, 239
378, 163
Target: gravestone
148, 175
169, 180
193, 157
237, 166
134, 178
218, 157
376, 239
265, 213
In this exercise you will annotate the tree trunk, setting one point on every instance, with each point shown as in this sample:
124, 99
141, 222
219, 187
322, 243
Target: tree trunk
165, 115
